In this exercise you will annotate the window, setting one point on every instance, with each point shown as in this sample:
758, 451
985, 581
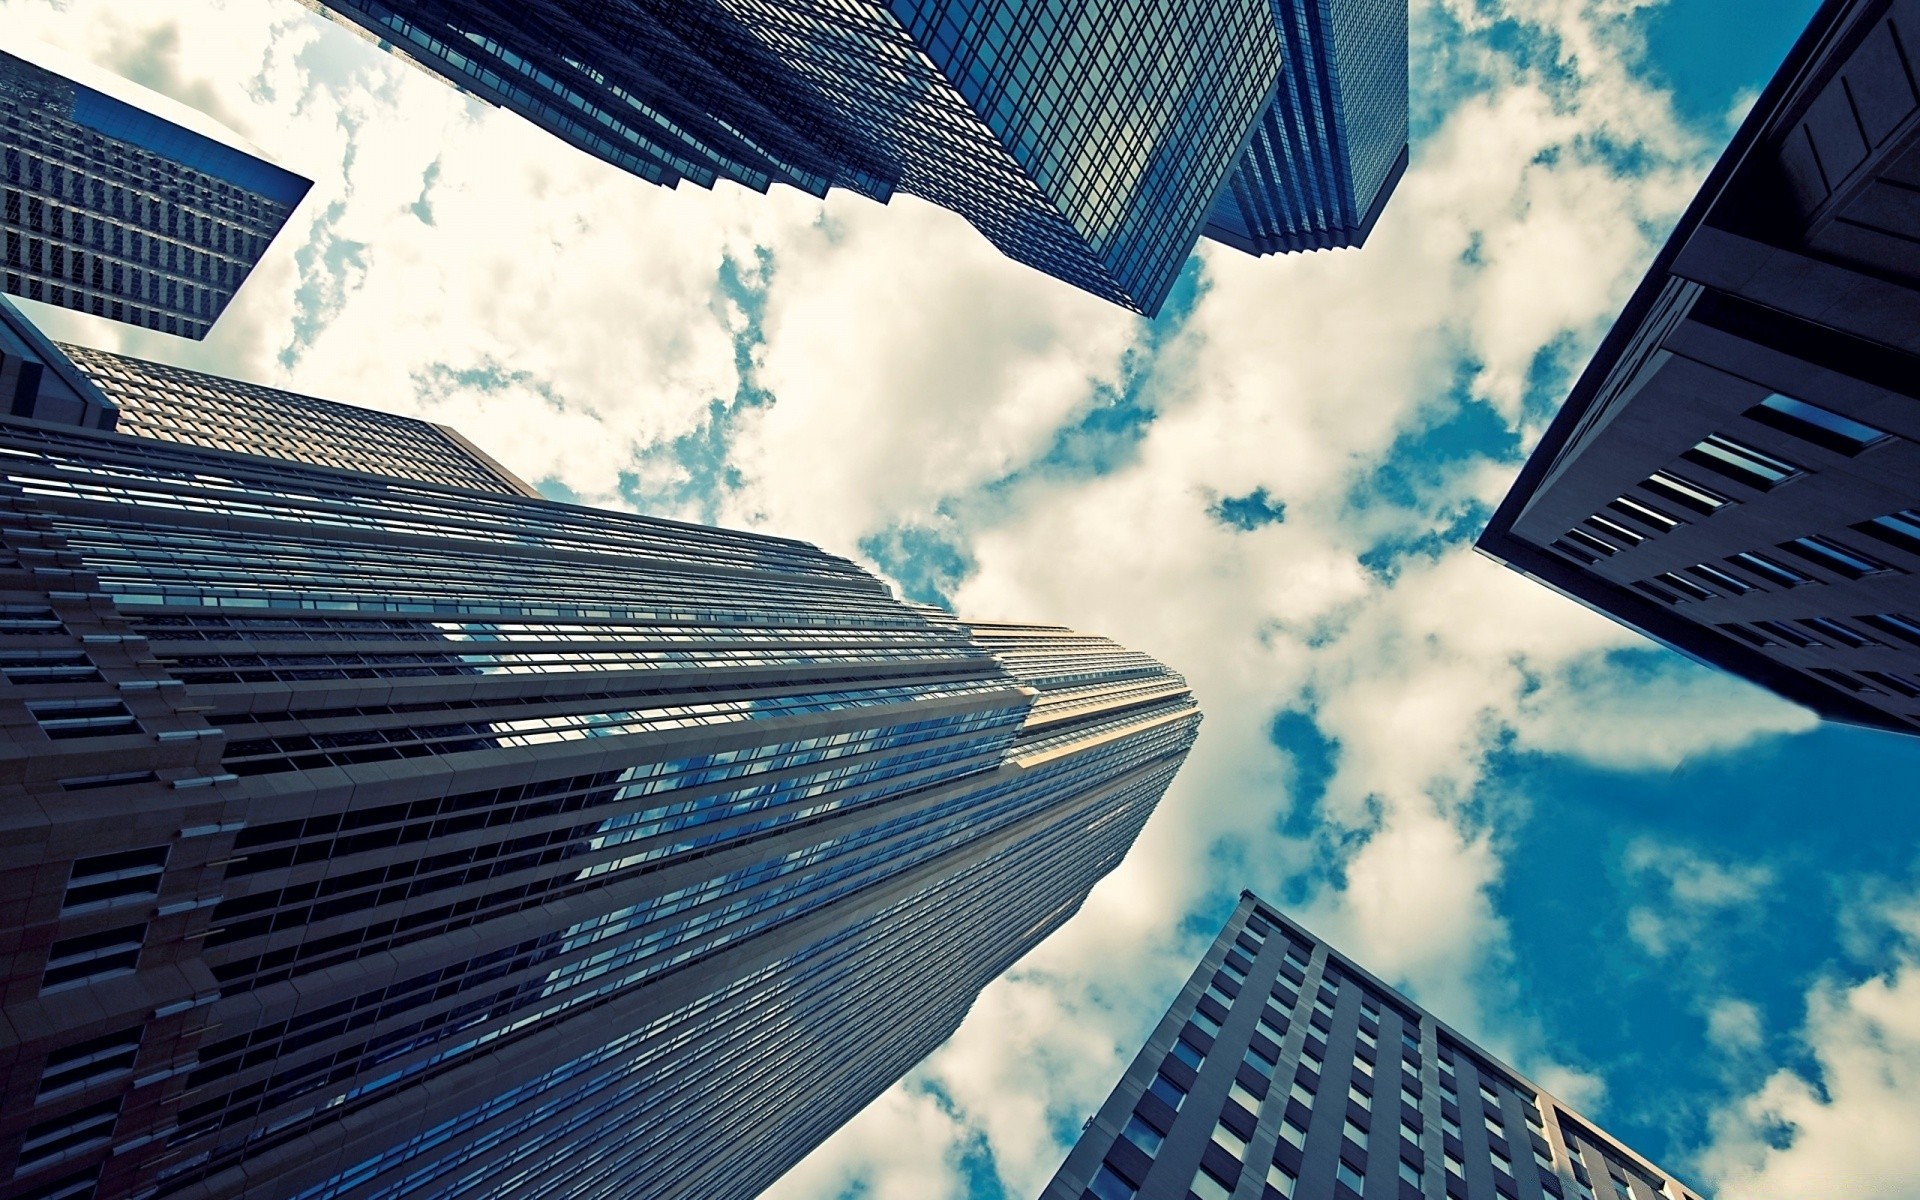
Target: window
1896, 683
1769, 570
1257, 1061
93, 956
87, 1062
82, 718
1409, 1039
1206, 1187
1741, 462
1206, 1022
1685, 587
52, 1138
1300, 1092
1239, 1094
1409, 1173
108, 878
1906, 628
1454, 1165
1574, 552
1812, 423
47, 666
1841, 559
1592, 545
1188, 1053
1225, 1138
1281, 1180
1167, 1091
1234, 969
1368, 1040
1359, 1097
1296, 1136
1838, 633
1646, 514
1614, 531
1449, 1124
1732, 585
1685, 492
1494, 1127
1900, 529
1142, 1135
1657, 592
1352, 1178
1273, 1022
1354, 1133
1109, 1186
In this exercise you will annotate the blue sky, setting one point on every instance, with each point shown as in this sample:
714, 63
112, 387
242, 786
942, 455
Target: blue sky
1669, 897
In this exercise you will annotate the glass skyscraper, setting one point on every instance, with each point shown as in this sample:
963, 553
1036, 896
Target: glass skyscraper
119, 212
1285, 1071
402, 834
1736, 474
1089, 141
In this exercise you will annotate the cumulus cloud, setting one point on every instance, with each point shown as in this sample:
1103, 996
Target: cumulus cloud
1841, 1129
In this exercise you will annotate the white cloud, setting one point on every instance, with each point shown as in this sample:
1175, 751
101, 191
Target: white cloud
1688, 895
1845, 1132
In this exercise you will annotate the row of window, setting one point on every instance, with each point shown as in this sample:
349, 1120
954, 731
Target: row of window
1603, 535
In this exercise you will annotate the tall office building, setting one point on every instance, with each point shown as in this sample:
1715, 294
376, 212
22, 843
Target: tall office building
1284, 1071
399, 834
124, 213
1737, 473
1095, 143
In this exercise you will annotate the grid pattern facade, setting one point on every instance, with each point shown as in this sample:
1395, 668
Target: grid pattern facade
1284, 1071
172, 404
118, 213
1735, 473
1087, 141
1331, 146
373, 837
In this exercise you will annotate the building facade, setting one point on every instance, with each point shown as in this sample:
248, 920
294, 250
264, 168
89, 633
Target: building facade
1089, 142
370, 836
1285, 1071
1737, 472
116, 211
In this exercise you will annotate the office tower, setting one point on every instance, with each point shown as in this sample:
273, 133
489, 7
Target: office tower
1284, 1071
1735, 472
118, 211
377, 835
1089, 142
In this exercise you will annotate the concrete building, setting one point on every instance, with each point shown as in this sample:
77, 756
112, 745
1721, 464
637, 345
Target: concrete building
368, 835
1095, 143
1737, 472
122, 212
1285, 1071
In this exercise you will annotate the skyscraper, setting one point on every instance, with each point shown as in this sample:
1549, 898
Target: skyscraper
1285, 1070
1095, 143
402, 834
123, 213
1735, 472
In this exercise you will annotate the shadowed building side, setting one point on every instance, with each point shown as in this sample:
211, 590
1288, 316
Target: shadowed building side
1737, 472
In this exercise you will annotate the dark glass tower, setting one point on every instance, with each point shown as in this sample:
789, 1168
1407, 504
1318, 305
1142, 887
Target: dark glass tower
1284, 1071
1737, 473
1089, 142
377, 835
114, 211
